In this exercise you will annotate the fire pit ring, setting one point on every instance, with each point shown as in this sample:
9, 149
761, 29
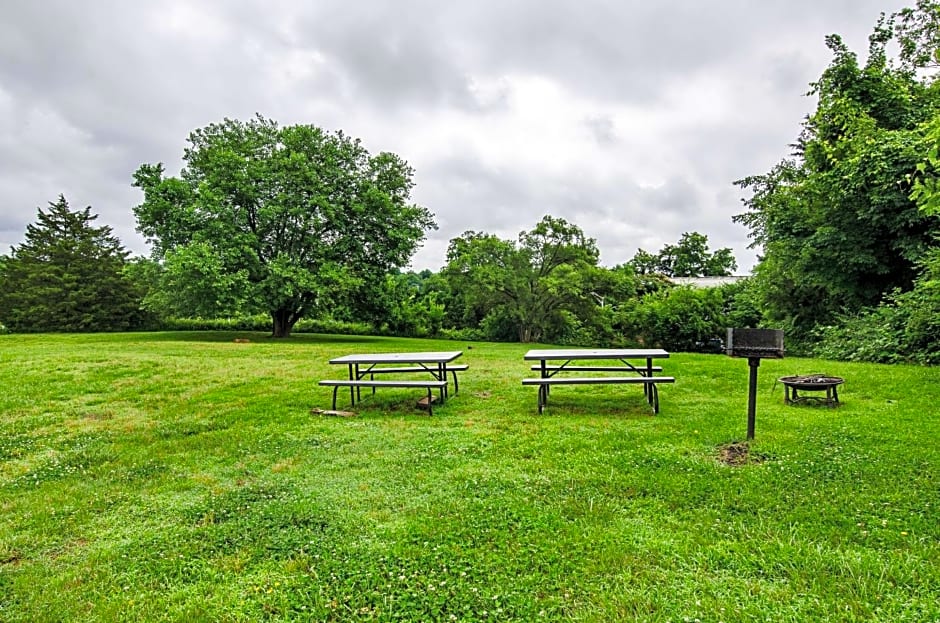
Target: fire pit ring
793, 385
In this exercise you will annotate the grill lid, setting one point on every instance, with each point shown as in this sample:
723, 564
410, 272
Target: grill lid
760, 343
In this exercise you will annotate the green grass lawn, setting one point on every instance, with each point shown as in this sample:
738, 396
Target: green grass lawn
183, 477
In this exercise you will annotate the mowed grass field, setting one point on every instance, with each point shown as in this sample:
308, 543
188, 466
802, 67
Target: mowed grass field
183, 477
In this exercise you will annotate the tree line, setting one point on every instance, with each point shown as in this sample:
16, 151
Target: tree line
294, 223
849, 222
70, 275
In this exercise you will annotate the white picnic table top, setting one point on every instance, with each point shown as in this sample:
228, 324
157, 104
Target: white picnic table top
440, 357
570, 354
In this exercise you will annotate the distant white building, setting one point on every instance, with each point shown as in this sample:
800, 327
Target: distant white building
706, 282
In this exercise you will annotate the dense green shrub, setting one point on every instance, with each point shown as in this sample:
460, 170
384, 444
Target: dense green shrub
463, 335
872, 335
413, 316
742, 305
262, 322
906, 327
682, 318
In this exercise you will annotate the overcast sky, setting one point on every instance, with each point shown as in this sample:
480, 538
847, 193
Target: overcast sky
631, 119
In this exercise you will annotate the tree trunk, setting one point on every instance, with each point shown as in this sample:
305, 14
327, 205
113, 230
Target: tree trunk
528, 333
283, 321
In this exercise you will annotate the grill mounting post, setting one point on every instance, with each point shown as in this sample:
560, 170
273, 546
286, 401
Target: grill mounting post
755, 344
753, 363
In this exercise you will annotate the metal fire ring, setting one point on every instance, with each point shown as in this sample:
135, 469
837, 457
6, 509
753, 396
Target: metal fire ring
793, 385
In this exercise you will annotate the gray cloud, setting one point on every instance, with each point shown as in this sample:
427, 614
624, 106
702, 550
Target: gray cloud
602, 129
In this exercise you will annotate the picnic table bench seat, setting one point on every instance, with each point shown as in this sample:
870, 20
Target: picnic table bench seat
429, 385
620, 368
648, 381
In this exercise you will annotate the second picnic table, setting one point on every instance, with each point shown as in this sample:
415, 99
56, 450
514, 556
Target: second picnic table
637, 373
368, 365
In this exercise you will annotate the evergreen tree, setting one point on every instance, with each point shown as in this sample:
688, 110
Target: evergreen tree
67, 276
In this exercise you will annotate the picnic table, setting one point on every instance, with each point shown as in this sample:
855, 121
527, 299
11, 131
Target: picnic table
434, 366
551, 363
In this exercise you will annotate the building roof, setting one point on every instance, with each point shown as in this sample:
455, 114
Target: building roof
706, 282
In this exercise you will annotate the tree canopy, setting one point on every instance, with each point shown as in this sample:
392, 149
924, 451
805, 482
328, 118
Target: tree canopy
690, 257
280, 219
526, 285
838, 227
67, 275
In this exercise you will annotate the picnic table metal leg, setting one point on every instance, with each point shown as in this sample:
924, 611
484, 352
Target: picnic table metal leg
442, 376
453, 373
353, 376
545, 375
654, 392
335, 387
358, 389
646, 387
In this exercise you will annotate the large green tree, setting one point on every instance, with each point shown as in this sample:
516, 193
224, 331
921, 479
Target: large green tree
280, 219
836, 222
690, 257
67, 275
526, 286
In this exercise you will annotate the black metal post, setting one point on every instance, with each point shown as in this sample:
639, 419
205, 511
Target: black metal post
753, 363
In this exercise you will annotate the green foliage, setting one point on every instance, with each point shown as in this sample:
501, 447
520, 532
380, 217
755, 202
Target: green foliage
873, 335
684, 318
742, 304
906, 327
548, 287
283, 220
193, 280
412, 308
261, 322
918, 35
681, 318
523, 288
689, 258
68, 276
837, 224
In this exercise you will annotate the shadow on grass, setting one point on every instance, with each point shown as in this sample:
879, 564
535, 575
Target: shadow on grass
584, 404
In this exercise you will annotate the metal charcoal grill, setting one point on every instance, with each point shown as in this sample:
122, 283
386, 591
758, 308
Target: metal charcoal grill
754, 344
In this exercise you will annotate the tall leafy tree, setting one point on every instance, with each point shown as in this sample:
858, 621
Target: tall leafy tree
280, 219
838, 227
690, 257
526, 285
67, 275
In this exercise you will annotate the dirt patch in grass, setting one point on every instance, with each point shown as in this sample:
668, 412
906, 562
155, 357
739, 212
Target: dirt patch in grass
738, 453
99, 415
10, 558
